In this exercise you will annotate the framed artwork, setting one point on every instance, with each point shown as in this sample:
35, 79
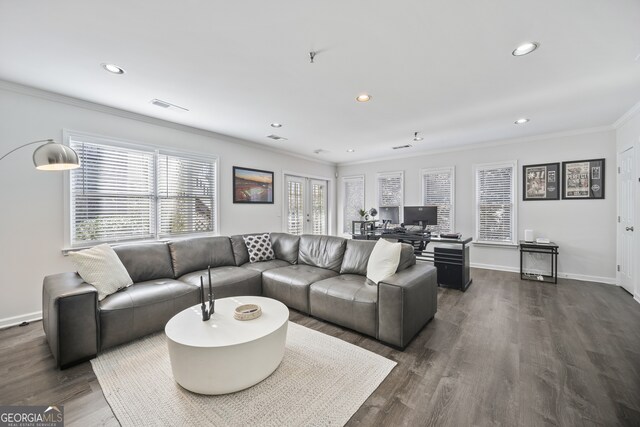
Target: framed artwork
541, 182
583, 179
252, 185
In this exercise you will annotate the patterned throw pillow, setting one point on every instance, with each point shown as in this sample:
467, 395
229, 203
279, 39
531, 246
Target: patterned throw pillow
259, 247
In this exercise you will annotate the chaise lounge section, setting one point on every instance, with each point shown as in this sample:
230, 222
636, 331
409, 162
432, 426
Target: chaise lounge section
323, 276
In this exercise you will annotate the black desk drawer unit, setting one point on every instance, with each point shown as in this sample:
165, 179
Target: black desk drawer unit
453, 267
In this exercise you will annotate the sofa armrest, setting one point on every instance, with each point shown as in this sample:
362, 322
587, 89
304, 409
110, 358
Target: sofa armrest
406, 302
70, 318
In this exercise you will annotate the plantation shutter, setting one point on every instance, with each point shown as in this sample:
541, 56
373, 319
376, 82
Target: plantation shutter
353, 192
112, 194
495, 203
319, 208
438, 190
186, 195
390, 190
295, 217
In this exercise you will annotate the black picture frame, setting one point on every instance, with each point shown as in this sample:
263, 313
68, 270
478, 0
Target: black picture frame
583, 179
541, 181
252, 186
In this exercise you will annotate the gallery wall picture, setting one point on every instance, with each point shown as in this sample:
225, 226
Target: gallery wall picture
583, 179
252, 185
541, 182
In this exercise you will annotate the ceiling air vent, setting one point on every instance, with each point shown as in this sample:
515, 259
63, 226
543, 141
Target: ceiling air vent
169, 106
276, 137
400, 147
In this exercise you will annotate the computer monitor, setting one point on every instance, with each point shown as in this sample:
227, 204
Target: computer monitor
390, 214
421, 215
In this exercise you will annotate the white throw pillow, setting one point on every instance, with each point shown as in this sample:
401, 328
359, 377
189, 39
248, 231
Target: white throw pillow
101, 267
383, 261
259, 248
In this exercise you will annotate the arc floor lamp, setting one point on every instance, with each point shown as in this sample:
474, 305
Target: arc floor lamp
51, 156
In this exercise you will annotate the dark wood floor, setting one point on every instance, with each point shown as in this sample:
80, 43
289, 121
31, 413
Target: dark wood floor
506, 352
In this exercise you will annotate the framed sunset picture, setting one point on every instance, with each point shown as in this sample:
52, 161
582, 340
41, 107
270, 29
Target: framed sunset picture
252, 185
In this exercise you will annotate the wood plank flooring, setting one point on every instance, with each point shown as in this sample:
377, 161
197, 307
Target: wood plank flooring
507, 352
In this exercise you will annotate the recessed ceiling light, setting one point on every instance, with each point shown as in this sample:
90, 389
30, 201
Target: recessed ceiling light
525, 48
276, 125
350, 150
112, 68
363, 98
417, 138
521, 121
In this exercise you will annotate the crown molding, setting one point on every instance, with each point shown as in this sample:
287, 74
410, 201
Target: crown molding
486, 144
89, 105
627, 116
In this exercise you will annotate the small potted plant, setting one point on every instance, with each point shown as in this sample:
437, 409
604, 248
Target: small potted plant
364, 215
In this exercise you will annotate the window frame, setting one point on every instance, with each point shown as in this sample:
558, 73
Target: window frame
68, 135
343, 198
452, 171
513, 164
402, 204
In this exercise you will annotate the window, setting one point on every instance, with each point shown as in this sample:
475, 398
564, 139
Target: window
124, 192
319, 207
353, 201
295, 211
438, 187
496, 203
390, 192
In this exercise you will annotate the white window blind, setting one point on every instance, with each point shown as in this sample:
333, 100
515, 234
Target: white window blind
390, 191
186, 195
353, 193
123, 193
112, 194
438, 186
496, 203
319, 208
295, 217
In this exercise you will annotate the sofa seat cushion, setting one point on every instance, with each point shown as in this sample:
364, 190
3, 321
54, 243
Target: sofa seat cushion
265, 265
227, 281
290, 284
143, 308
348, 300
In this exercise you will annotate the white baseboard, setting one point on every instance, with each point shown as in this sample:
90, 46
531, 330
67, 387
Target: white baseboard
583, 277
16, 320
637, 298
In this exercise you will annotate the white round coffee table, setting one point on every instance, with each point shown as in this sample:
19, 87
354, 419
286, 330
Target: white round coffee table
224, 355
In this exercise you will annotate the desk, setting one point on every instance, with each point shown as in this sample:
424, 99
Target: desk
550, 249
452, 262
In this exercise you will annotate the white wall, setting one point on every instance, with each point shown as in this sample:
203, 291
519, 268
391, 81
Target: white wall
627, 135
31, 206
584, 229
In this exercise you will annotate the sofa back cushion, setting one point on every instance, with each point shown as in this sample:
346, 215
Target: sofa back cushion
197, 253
356, 257
240, 253
407, 257
286, 246
146, 261
322, 251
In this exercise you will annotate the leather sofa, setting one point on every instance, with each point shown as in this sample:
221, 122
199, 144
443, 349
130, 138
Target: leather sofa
322, 276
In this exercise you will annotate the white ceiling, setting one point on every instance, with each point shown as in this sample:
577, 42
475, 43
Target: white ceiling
440, 67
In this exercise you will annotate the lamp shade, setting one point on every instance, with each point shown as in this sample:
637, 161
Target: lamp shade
53, 156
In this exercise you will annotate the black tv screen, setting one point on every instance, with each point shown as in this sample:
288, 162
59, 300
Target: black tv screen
421, 215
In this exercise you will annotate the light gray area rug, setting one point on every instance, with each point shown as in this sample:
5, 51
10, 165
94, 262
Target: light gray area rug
322, 381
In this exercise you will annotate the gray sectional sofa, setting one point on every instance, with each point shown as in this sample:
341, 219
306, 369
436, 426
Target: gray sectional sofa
322, 276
